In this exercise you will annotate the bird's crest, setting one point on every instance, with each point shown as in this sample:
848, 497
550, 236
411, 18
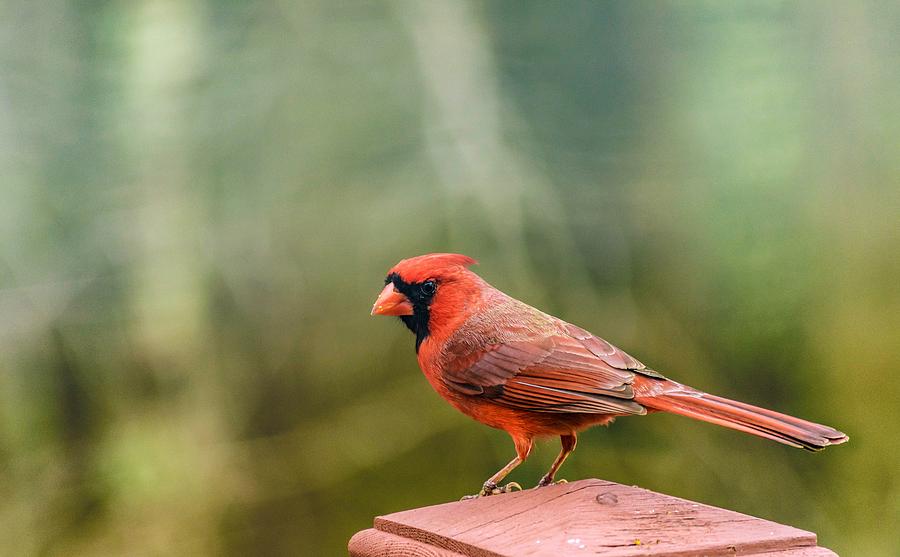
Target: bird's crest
432, 265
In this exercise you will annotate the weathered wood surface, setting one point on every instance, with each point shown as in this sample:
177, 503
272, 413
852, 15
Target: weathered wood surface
588, 517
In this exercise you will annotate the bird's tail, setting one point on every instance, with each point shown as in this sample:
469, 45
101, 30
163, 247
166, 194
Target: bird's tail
745, 417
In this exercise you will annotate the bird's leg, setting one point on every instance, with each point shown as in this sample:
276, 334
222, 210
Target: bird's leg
491, 486
568, 445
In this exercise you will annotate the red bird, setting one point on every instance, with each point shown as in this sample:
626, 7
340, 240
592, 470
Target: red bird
515, 368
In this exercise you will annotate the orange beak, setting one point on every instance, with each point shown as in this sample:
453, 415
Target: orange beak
391, 302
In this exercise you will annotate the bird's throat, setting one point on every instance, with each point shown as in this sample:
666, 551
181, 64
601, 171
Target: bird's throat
418, 324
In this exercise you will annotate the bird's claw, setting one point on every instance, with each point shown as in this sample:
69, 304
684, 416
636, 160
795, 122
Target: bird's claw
509, 488
545, 481
491, 488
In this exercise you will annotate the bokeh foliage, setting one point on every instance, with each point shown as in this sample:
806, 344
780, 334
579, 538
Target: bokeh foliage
199, 200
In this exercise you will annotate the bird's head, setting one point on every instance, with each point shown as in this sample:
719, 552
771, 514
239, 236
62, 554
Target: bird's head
428, 291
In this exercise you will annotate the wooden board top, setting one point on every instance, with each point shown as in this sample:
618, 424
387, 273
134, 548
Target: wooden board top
588, 517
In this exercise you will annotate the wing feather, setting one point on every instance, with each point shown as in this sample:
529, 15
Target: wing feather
566, 371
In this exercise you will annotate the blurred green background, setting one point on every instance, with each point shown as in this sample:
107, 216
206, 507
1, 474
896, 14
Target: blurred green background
199, 202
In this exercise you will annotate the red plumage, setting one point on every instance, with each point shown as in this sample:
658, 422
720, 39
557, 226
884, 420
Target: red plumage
515, 368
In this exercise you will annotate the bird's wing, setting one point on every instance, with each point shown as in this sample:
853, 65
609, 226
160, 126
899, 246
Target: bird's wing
567, 371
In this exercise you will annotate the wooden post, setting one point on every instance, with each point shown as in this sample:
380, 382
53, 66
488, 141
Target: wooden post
587, 517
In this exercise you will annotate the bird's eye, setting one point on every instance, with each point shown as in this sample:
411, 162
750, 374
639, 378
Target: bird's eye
428, 287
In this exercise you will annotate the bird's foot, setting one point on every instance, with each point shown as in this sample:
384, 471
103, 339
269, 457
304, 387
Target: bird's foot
490, 488
546, 480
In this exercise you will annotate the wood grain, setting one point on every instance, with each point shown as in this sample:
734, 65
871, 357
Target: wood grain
588, 517
375, 543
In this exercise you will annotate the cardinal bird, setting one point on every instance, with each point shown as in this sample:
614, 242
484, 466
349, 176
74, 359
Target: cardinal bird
515, 368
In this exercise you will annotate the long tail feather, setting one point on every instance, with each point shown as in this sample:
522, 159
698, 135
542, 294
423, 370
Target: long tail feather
745, 417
